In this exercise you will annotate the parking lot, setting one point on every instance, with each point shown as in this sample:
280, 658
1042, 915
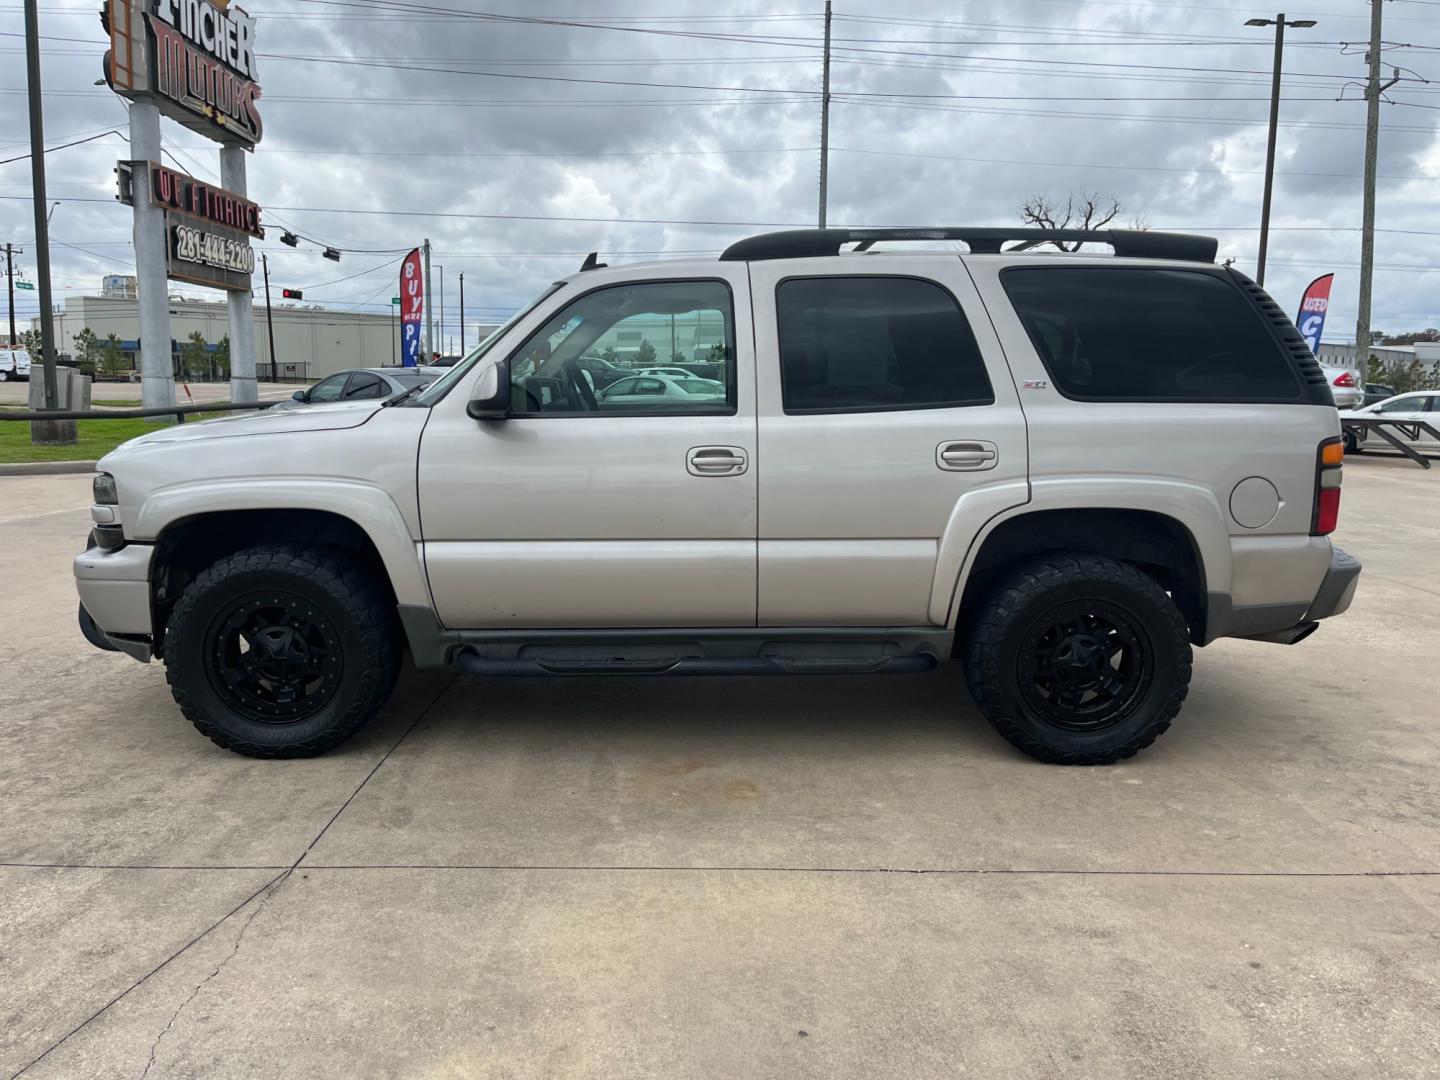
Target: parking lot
749, 878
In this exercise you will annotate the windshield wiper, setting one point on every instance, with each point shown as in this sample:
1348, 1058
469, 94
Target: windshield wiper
403, 397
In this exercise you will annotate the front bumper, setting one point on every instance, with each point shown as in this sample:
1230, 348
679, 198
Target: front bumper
114, 588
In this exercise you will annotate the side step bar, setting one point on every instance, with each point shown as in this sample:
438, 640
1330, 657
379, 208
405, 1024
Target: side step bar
468, 660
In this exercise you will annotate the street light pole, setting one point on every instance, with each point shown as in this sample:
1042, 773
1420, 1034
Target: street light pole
1373, 89
1279, 23
42, 219
462, 312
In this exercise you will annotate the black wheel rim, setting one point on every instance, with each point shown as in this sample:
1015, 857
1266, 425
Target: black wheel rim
273, 657
1085, 665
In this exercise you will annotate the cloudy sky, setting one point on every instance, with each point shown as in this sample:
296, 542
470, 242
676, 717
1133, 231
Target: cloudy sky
519, 136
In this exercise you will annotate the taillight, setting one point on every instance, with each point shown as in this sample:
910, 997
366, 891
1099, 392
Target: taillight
1345, 379
1327, 487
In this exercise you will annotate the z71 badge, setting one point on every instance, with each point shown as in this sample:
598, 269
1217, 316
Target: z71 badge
1034, 384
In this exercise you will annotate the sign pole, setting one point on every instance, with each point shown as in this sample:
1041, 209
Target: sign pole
157, 368
240, 302
269, 317
429, 318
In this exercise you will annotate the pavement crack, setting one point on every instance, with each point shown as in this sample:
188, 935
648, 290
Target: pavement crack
235, 948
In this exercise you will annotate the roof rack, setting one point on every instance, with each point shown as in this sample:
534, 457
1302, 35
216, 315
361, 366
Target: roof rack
803, 243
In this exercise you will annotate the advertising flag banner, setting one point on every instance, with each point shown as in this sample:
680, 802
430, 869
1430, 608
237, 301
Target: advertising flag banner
412, 308
1313, 305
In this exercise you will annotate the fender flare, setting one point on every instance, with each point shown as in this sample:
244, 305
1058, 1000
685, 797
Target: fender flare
1192, 505
370, 508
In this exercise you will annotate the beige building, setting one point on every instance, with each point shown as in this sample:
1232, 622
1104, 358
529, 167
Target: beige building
310, 341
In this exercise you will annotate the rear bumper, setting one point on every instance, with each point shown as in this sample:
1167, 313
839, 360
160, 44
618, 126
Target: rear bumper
1288, 623
1338, 588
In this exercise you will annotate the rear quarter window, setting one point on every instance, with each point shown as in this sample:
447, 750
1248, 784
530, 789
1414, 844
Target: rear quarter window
1140, 334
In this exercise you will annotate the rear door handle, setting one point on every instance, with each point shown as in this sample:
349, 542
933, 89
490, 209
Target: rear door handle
969, 455
716, 461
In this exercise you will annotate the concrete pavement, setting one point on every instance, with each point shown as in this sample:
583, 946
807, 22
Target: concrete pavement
760, 878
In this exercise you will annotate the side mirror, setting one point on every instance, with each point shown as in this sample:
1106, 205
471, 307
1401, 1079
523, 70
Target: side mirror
492, 393
300, 395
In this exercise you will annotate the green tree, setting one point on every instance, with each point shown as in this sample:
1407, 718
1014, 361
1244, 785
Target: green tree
87, 351
221, 356
646, 353
194, 356
112, 356
610, 355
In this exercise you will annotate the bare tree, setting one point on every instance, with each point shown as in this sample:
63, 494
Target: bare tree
1085, 211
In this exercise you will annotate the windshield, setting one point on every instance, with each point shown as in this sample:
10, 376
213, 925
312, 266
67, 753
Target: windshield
441, 386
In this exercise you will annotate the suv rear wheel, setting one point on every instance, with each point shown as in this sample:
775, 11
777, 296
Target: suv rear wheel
1079, 659
280, 651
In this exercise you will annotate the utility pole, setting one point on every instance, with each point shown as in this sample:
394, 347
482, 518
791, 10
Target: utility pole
825, 121
1279, 23
42, 223
269, 318
1373, 89
429, 306
440, 308
10, 252
462, 312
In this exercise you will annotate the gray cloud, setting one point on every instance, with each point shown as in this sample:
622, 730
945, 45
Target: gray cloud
1151, 154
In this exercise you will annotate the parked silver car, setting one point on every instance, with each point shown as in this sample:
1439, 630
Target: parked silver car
1345, 388
359, 384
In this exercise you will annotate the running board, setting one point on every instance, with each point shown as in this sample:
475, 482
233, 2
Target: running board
469, 660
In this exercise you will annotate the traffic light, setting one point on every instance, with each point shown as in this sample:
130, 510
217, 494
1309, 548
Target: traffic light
292, 294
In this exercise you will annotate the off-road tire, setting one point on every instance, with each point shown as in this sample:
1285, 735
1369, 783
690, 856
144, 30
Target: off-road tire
1023, 597
327, 579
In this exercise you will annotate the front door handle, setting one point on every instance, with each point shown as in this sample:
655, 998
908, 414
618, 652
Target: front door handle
716, 461
969, 455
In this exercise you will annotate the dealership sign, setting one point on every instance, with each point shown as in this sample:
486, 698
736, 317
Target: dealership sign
177, 191
196, 58
207, 229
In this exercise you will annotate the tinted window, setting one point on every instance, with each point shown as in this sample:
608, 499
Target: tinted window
1162, 335
630, 327
850, 344
365, 384
327, 389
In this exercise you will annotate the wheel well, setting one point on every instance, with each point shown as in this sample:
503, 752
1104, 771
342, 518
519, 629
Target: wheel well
1155, 543
187, 547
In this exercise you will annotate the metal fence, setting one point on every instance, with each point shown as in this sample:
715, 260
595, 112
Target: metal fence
179, 412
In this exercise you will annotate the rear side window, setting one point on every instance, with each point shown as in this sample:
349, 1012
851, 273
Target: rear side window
1153, 335
869, 344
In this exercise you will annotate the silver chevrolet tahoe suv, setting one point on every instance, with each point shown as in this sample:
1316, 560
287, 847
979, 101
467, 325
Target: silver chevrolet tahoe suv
1061, 470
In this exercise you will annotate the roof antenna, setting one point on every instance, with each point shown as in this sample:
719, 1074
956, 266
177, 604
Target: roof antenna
592, 262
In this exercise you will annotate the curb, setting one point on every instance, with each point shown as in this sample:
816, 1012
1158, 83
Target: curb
46, 468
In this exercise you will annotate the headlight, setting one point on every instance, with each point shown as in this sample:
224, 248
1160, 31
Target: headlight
106, 494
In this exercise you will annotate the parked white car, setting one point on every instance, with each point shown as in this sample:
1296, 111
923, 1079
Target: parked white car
1422, 405
1004, 459
1345, 388
671, 372
644, 390
14, 364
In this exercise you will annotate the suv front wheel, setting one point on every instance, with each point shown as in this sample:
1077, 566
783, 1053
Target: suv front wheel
281, 651
1078, 659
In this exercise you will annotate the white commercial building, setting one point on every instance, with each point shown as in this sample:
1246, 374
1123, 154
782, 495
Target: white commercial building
311, 341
